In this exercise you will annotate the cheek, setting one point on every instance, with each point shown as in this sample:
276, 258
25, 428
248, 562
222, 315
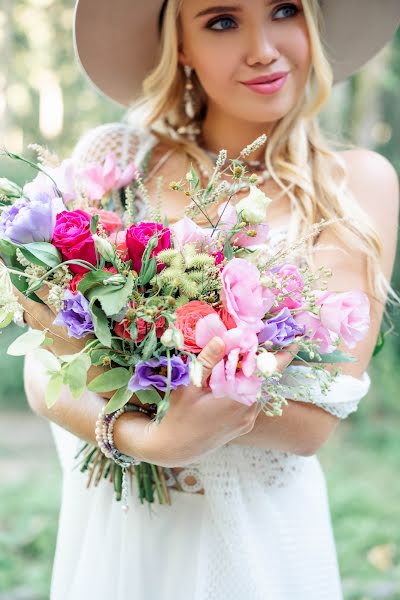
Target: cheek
299, 50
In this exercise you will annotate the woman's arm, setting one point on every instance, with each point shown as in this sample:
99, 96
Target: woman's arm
304, 428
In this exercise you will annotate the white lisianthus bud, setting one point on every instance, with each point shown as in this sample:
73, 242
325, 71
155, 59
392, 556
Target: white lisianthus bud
195, 372
172, 338
114, 279
9, 188
267, 363
104, 248
252, 208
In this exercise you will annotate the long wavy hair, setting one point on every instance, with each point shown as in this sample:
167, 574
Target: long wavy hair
299, 157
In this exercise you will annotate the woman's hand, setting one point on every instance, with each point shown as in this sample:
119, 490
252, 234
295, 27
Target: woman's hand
196, 422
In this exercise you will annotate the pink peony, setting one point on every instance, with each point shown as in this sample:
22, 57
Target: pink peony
243, 295
346, 314
73, 238
234, 375
100, 180
315, 330
137, 238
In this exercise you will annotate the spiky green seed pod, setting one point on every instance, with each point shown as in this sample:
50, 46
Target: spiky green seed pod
167, 256
189, 288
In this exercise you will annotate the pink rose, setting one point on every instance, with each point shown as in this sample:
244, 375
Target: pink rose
346, 314
243, 295
73, 238
315, 331
288, 281
137, 238
108, 219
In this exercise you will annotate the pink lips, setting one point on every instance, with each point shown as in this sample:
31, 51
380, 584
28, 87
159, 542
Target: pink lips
269, 84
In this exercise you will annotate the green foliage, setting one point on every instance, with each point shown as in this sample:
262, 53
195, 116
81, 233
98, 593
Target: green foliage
114, 379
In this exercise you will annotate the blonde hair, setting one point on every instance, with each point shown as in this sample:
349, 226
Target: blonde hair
298, 155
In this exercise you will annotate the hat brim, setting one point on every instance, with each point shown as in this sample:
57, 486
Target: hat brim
117, 42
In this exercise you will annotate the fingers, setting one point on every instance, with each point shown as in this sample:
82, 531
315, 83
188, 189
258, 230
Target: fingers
210, 356
285, 357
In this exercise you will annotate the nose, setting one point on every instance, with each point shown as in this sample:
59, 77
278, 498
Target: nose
262, 49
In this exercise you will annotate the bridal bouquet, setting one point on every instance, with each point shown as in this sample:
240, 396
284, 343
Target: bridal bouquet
146, 297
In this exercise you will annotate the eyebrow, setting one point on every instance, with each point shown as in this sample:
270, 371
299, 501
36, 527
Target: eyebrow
212, 10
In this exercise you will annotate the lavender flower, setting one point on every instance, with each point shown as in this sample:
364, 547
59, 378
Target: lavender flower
153, 373
29, 221
75, 315
280, 329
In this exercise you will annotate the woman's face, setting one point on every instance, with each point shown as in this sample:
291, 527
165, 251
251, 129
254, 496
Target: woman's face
252, 57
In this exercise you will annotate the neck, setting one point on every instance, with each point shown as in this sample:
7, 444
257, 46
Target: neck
221, 131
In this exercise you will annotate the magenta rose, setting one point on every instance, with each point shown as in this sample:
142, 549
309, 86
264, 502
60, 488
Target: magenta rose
137, 238
73, 239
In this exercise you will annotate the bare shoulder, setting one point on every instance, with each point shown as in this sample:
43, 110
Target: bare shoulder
374, 183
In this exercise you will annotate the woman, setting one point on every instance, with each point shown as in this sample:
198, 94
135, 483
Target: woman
252, 520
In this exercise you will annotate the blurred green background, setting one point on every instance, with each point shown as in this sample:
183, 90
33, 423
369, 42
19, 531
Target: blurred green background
44, 99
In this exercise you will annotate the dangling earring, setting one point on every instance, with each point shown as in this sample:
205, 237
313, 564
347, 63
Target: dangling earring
191, 130
188, 95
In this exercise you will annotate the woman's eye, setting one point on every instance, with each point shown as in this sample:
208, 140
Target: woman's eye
284, 12
222, 24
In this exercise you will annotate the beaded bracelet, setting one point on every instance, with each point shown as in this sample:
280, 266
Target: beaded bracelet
104, 436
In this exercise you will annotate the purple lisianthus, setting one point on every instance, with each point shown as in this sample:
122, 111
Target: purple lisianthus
153, 373
29, 221
280, 329
75, 315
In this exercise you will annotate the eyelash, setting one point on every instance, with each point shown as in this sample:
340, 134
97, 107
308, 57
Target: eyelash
231, 19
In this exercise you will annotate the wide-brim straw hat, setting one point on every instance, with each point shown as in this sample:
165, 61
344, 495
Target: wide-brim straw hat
117, 42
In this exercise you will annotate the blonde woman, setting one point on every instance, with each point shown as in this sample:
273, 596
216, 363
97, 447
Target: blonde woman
251, 517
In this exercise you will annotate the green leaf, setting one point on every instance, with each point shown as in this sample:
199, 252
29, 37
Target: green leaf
53, 390
228, 251
97, 357
119, 399
5, 318
114, 379
195, 178
42, 254
112, 298
7, 248
100, 324
149, 396
149, 345
149, 272
91, 280
31, 340
379, 344
75, 375
336, 357
93, 224
48, 360
151, 244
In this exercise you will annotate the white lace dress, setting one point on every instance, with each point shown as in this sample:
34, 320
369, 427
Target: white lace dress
261, 531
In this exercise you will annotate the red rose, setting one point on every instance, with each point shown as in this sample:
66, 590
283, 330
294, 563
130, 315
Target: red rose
73, 238
186, 321
227, 318
122, 329
137, 238
110, 220
73, 284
